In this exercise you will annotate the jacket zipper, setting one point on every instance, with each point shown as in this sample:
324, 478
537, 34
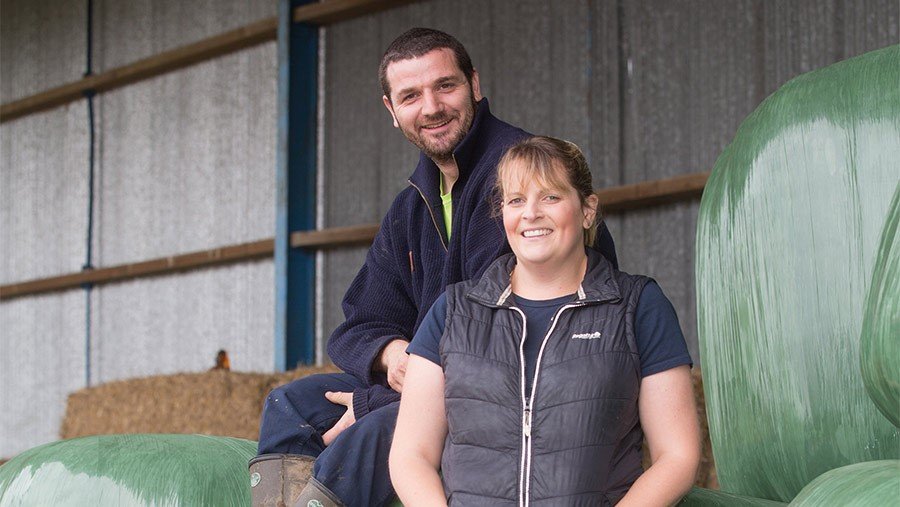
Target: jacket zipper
431, 213
528, 402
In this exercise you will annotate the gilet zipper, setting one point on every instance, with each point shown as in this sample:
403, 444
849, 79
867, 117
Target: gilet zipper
528, 402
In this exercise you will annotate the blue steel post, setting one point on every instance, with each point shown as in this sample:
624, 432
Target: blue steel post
89, 240
295, 187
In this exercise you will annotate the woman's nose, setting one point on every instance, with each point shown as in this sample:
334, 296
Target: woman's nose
532, 210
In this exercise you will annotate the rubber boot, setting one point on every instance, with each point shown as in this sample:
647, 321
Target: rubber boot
315, 494
276, 480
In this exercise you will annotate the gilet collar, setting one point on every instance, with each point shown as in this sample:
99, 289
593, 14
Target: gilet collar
599, 284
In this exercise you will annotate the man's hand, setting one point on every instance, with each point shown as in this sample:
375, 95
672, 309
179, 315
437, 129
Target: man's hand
392, 360
345, 421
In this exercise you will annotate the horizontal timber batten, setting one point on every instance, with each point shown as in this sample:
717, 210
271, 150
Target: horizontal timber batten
160, 266
333, 11
250, 35
614, 199
652, 193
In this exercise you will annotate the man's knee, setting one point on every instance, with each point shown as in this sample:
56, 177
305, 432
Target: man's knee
306, 392
382, 420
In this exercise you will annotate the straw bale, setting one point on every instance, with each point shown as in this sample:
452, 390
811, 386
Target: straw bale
706, 475
217, 402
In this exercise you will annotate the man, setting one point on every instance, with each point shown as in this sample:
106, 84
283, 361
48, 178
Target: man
438, 231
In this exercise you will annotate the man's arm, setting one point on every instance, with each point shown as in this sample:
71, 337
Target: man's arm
380, 317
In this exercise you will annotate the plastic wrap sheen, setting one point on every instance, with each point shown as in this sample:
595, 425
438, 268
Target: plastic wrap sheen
880, 340
133, 470
787, 237
864, 485
699, 497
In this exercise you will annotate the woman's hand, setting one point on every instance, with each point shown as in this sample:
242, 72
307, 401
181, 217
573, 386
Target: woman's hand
419, 436
669, 419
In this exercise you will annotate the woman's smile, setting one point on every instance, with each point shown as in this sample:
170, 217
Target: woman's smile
536, 233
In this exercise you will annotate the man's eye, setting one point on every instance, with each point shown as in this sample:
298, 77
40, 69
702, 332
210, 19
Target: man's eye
446, 86
408, 97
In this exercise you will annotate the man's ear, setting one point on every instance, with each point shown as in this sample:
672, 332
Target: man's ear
476, 86
390, 108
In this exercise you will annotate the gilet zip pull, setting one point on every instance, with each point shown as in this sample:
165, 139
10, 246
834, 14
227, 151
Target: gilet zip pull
526, 424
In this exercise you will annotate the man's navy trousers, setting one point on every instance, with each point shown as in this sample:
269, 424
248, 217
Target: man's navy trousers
296, 416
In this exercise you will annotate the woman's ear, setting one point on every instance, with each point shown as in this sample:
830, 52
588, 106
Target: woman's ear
590, 210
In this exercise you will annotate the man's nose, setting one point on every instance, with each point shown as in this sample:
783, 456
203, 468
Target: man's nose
431, 105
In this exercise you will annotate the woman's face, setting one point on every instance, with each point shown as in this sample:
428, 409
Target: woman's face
544, 225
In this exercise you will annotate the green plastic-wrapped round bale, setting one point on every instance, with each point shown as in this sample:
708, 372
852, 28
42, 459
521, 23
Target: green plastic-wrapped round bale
131, 470
788, 230
869, 484
880, 340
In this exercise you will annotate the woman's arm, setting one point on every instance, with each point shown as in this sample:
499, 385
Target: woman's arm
419, 436
669, 419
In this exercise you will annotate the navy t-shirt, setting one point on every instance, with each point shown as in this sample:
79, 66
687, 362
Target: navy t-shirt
660, 342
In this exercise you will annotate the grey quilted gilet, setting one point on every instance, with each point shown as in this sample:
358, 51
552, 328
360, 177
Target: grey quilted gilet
577, 440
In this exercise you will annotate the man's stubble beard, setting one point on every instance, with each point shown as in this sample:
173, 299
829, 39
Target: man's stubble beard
440, 154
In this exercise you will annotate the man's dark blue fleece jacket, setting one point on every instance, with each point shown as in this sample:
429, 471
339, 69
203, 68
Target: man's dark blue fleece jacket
411, 262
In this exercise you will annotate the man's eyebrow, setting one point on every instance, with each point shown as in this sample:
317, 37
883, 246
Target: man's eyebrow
438, 81
446, 79
404, 91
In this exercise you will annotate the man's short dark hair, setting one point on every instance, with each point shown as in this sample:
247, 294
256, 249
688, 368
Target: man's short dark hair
417, 42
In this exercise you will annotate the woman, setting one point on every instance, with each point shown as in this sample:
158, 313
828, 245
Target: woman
537, 383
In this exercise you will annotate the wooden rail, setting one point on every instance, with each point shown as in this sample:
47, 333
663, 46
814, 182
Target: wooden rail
333, 11
615, 199
164, 265
327, 12
335, 237
652, 193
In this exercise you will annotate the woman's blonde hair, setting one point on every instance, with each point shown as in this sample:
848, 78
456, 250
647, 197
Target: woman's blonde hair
553, 163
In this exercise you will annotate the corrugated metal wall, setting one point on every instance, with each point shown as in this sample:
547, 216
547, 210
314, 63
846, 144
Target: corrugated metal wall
185, 162
43, 205
648, 88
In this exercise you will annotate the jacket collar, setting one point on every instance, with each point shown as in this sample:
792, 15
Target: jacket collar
599, 284
427, 176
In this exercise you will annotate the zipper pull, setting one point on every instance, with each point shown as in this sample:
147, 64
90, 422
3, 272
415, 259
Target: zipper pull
526, 423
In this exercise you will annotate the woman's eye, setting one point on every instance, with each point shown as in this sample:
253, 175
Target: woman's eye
515, 200
551, 198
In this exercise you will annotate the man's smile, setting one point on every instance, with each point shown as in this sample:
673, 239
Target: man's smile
436, 125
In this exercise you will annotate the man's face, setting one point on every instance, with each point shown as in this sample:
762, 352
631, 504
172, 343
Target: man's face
432, 102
